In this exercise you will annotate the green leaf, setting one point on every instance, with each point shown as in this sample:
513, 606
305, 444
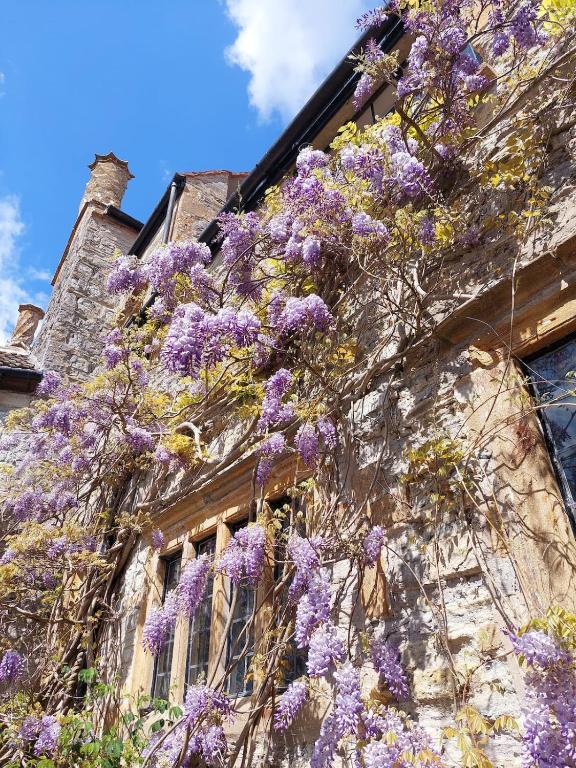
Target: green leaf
87, 675
157, 726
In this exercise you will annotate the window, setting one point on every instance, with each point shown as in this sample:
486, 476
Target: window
198, 650
552, 375
240, 642
163, 663
294, 661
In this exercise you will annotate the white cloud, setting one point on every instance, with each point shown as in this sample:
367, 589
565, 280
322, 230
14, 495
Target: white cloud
289, 46
39, 274
12, 293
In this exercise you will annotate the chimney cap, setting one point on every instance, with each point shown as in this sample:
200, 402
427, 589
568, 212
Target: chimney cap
32, 308
29, 315
111, 158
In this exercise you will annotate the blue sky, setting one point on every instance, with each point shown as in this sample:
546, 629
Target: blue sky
169, 85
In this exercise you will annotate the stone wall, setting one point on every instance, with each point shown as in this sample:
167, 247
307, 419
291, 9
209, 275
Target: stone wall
80, 310
203, 197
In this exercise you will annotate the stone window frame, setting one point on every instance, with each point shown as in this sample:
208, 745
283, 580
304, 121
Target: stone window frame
563, 483
523, 314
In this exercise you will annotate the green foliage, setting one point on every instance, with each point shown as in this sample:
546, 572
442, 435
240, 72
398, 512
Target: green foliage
439, 461
118, 746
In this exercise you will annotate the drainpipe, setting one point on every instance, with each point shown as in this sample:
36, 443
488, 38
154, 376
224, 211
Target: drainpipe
169, 211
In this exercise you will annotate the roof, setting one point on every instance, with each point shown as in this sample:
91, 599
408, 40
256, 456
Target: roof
18, 369
329, 98
324, 104
17, 357
158, 215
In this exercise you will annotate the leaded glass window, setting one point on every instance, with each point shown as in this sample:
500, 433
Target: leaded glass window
163, 663
197, 655
240, 640
294, 661
552, 375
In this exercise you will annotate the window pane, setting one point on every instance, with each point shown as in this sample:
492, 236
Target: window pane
163, 663
199, 634
294, 661
240, 644
553, 377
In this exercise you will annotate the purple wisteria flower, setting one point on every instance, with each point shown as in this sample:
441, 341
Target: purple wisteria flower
307, 444
550, 700
51, 382
196, 338
192, 585
325, 649
364, 225
243, 558
126, 276
270, 448
172, 259
372, 18
386, 660
300, 314
305, 554
539, 649
158, 540
308, 159
410, 174
427, 231
139, 439
331, 732
274, 412
372, 545
29, 729
311, 252
526, 28
327, 430
58, 548
399, 743
290, 704
363, 91
241, 232
8, 556
348, 700
12, 668
48, 735
314, 607
202, 701
159, 624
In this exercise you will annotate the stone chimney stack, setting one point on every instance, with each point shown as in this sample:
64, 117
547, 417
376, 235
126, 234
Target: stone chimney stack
28, 318
108, 181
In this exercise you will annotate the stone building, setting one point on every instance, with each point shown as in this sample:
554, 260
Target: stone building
469, 583
20, 371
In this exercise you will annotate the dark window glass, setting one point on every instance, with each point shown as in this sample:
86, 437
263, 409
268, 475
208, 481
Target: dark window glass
240, 643
552, 375
294, 661
163, 663
199, 634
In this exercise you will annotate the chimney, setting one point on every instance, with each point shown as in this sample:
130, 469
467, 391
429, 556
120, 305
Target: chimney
108, 181
28, 318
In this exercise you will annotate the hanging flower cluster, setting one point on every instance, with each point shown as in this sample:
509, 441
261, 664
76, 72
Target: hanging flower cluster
550, 704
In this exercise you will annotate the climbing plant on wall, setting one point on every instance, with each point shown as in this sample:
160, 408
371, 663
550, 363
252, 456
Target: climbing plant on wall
312, 298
